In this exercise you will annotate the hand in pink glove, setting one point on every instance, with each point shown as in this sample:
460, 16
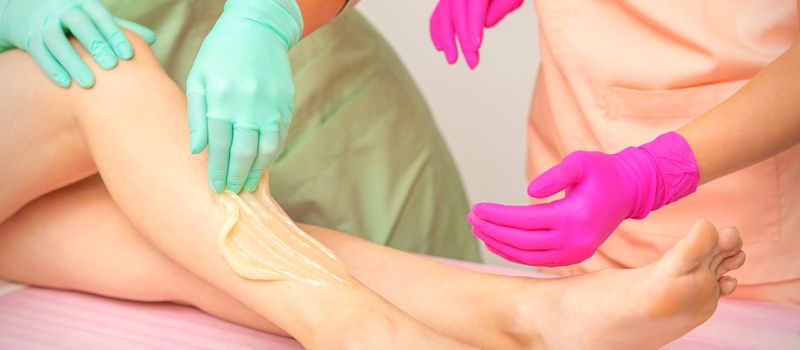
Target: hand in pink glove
466, 20
602, 190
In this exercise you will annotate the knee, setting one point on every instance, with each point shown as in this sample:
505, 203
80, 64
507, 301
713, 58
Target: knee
125, 82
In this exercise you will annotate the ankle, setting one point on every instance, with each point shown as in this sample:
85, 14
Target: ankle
359, 315
525, 318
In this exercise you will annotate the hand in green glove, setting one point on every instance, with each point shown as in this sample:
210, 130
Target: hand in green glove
40, 27
240, 90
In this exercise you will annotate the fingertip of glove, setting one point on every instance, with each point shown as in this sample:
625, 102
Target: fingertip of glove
483, 209
63, 82
86, 83
195, 149
535, 192
124, 50
107, 62
472, 59
235, 187
251, 184
540, 190
450, 55
150, 38
218, 185
436, 44
196, 145
472, 218
492, 21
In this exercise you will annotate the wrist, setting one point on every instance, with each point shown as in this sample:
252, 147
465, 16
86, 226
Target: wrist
281, 16
640, 175
665, 170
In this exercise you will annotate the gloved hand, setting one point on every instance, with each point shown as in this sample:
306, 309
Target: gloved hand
466, 19
38, 27
602, 190
240, 90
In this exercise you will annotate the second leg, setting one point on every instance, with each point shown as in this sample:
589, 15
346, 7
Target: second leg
77, 239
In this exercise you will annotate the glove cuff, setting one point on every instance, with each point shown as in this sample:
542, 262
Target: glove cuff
674, 173
282, 16
5, 42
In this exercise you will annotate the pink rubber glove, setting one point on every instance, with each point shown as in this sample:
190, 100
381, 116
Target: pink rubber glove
466, 19
602, 190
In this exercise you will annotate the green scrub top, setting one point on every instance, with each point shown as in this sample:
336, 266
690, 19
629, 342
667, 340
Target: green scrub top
363, 154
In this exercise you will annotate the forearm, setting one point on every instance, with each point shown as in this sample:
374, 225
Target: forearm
759, 121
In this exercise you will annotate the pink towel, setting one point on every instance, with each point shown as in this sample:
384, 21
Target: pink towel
36, 318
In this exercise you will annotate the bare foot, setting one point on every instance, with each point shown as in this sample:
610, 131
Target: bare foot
641, 308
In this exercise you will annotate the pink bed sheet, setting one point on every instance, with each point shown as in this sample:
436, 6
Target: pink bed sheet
36, 318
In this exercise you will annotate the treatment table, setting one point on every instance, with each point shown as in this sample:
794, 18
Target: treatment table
37, 318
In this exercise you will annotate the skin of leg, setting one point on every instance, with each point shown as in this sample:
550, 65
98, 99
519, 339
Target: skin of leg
87, 244
83, 217
132, 123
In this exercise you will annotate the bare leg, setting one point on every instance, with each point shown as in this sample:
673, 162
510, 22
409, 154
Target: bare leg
148, 178
91, 247
487, 311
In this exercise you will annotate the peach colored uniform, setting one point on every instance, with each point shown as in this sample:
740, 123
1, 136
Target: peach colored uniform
619, 73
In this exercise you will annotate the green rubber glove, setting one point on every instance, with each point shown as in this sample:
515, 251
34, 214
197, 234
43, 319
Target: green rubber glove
240, 90
40, 27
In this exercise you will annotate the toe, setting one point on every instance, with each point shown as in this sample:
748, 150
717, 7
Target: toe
730, 243
727, 285
730, 240
731, 263
697, 247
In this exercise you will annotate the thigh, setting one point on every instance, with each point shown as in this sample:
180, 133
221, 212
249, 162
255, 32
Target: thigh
77, 239
41, 148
